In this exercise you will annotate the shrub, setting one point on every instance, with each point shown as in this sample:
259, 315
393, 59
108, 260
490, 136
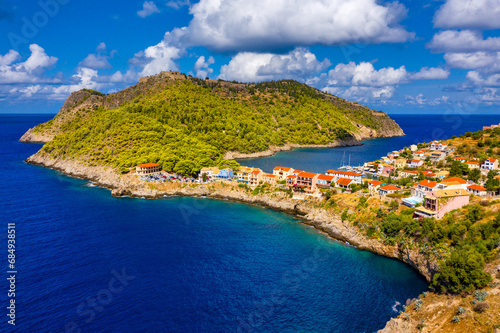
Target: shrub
455, 320
460, 310
481, 307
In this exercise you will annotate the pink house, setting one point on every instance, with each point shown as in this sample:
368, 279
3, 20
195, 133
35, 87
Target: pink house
415, 163
439, 202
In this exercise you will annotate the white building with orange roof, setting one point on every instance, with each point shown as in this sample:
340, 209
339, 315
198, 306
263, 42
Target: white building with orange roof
255, 177
473, 165
387, 189
490, 164
356, 177
422, 188
477, 190
344, 182
324, 181
373, 186
282, 172
269, 178
147, 169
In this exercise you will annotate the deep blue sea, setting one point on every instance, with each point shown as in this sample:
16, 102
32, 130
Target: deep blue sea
418, 128
88, 262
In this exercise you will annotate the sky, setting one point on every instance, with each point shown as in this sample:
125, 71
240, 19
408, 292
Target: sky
411, 56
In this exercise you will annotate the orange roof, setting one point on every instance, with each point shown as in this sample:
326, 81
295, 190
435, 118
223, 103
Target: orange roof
455, 179
256, 172
428, 183
148, 165
298, 171
307, 174
344, 181
389, 188
346, 173
375, 183
325, 177
282, 168
269, 175
476, 187
475, 163
410, 171
416, 161
291, 176
491, 160
459, 158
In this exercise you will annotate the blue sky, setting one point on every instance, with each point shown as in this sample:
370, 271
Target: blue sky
426, 56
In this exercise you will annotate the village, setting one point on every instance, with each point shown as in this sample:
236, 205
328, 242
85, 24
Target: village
417, 176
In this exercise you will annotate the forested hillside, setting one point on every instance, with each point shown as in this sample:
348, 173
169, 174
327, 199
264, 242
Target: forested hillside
185, 123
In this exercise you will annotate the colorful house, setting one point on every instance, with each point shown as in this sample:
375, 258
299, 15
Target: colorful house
385, 169
437, 156
415, 163
210, 173
439, 202
282, 172
473, 165
477, 190
421, 189
442, 174
387, 189
408, 173
269, 179
436, 145
255, 177
225, 174
244, 174
490, 164
373, 186
291, 180
147, 169
344, 182
324, 181
356, 177
307, 179
399, 162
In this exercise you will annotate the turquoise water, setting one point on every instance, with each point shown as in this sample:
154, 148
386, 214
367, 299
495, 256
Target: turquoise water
184, 264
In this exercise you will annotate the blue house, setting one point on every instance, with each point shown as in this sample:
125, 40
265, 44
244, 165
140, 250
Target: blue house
225, 174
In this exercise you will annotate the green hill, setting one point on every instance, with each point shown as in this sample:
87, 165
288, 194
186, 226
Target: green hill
185, 123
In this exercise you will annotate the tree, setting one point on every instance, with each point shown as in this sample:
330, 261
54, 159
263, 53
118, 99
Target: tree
474, 175
463, 271
492, 183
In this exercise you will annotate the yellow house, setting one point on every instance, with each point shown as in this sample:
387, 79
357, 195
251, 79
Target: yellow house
282, 172
147, 169
400, 162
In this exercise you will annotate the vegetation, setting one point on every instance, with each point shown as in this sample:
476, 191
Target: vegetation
190, 124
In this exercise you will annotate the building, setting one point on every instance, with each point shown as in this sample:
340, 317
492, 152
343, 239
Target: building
255, 177
147, 169
387, 189
344, 182
439, 202
437, 156
373, 186
473, 165
291, 180
421, 189
442, 174
418, 154
356, 177
385, 169
211, 173
324, 181
436, 145
269, 179
225, 174
307, 179
415, 163
400, 162
282, 172
460, 159
243, 174
490, 164
429, 174
490, 127
408, 173
413, 148
477, 190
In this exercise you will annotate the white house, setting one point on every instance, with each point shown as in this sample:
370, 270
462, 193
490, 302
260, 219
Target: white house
415, 163
436, 145
422, 188
490, 164
356, 177
477, 190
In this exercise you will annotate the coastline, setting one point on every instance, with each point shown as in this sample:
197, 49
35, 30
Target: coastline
324, 221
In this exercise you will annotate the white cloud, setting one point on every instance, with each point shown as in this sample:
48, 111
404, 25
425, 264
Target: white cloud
177, 4
254, 67
432, 73
148, 8
453, 41
98, 60
365, 74
473, 14
477, 79
421, 100
201, 67
363, 94
9, 58
488, 61
30, 71
269, 25
158, 58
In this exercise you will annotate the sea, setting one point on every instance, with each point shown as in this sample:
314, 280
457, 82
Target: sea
89, 262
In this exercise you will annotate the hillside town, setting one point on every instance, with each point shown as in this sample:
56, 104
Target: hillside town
426, 177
